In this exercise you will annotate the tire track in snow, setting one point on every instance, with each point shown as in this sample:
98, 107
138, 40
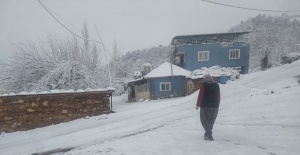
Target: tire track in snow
60, 132
128, 134
181, 106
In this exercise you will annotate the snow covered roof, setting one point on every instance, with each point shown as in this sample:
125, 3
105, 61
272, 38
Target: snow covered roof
137, 81
164, 70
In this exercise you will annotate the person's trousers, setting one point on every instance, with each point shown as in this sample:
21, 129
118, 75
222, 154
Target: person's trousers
208, 117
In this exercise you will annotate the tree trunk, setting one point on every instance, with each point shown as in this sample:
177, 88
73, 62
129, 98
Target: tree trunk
264, 62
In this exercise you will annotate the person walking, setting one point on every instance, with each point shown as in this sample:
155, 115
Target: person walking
208, 102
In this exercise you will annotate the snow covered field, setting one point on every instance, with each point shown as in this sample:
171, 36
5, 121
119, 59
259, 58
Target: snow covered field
259, 115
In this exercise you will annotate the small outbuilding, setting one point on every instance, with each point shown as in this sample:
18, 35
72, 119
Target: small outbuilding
167, 80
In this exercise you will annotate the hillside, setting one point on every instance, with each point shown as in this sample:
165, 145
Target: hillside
259, 114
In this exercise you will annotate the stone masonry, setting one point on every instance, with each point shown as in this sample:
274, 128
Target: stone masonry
25, 112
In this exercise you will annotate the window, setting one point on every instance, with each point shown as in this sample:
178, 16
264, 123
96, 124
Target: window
234, 54
203, 55
165, 86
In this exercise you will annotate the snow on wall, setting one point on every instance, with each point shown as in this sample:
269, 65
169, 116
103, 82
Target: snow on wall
58, 91
196, 76
215, 71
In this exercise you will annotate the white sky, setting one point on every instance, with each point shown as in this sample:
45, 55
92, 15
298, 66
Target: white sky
135, 24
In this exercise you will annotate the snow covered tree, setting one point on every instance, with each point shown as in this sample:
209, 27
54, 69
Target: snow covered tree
119, 68
116, 51
270, 38
54, 64
133, 61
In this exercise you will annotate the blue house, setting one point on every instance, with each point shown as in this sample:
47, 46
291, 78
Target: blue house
167, 80
206, 50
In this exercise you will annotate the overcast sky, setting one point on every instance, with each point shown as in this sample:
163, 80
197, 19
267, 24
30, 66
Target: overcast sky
135, 24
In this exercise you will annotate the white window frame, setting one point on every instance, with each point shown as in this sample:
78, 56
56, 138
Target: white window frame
201, 52
165, 83
233, 55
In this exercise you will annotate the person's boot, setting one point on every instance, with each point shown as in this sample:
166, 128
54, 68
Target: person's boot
210, 137
206, 136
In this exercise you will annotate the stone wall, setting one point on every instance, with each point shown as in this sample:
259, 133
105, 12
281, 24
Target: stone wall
24, 112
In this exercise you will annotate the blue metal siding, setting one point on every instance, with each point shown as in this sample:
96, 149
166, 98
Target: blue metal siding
177, 88
218, 55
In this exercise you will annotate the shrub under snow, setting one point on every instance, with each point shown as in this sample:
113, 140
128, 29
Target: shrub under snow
290, 57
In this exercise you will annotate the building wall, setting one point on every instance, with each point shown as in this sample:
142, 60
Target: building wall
142, 92
193, 85
218, 55
177, 88
24, 112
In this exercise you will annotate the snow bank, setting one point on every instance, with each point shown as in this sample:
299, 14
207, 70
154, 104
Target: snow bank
290, 57
215, 71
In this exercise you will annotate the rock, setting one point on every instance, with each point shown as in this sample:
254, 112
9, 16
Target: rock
89, 102
34, 104
7, 118
29, 110
45, 103
37, 99
22, 107
64, 111
60, 117
20, 101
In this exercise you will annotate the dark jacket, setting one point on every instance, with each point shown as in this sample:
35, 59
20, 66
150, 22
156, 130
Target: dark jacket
209, 95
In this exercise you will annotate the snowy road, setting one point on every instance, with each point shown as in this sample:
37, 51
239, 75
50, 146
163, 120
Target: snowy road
259, 114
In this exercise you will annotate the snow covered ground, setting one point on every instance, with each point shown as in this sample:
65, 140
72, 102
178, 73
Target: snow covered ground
259, 115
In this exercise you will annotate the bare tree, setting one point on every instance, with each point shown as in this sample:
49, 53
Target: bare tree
116, 51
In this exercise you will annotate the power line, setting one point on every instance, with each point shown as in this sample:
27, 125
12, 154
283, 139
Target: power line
104, 47
252, 9
64, 19
105, 56
64, 25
